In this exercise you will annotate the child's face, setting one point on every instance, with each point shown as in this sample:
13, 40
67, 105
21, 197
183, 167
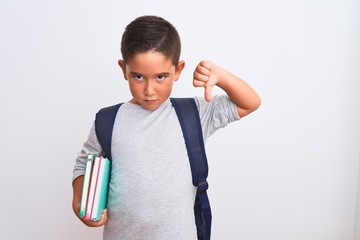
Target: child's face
151, 77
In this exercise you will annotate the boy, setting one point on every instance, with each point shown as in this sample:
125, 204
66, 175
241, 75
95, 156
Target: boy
151, 195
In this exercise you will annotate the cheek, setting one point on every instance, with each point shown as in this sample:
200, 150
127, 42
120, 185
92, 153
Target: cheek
166, 89
135, 88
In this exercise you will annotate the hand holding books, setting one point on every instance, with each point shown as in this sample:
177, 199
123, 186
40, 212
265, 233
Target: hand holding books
92, 223
95, 190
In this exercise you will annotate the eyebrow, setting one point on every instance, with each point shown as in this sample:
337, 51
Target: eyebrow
157, 74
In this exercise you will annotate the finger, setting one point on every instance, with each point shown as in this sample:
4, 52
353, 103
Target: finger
208, 91
103, 218
201, 77
206, 64
198, 83
203, 70
105, 215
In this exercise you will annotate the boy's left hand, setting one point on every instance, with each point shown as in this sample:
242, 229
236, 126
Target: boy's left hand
207, 75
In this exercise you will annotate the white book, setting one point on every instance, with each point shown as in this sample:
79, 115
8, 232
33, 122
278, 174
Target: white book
101, 193
92, 188
86, 184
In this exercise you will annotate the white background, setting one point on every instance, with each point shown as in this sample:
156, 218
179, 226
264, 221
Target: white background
287, 172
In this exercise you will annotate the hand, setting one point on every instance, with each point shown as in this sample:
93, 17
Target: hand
77, 189
91, 223
207, 75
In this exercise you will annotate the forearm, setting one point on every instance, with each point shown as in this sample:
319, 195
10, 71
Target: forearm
240, 93
77, 190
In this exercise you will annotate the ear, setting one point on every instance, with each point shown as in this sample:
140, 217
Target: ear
123, 68
179, 69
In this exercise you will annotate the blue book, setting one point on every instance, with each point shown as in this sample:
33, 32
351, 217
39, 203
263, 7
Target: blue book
101, 191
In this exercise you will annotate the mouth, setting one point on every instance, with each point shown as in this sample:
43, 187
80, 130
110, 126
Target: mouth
149, 101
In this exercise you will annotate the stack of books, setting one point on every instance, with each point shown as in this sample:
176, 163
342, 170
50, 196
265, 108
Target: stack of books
95, 187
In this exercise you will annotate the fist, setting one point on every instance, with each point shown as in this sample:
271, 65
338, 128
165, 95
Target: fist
206, 75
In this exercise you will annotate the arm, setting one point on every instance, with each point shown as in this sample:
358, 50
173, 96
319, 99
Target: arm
77, 189
208, 74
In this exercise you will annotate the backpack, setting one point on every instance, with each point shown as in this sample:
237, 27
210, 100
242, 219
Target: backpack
188, 115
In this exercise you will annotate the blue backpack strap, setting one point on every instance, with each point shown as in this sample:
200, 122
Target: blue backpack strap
189, 119
104, 124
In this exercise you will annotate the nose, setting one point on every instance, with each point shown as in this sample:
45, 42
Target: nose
149, 88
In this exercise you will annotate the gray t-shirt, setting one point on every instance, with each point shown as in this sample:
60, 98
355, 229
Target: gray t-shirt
151, 195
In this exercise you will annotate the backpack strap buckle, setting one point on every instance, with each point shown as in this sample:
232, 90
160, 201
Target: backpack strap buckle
203, 186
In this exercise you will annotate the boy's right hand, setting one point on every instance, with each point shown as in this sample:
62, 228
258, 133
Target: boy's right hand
77, 189
99, 223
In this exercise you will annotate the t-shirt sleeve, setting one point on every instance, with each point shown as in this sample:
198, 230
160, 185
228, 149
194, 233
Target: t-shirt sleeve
216, 114
91, 145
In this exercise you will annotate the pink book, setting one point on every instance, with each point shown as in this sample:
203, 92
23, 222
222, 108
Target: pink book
92, 188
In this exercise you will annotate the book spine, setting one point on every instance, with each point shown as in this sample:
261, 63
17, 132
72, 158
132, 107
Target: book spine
92, 188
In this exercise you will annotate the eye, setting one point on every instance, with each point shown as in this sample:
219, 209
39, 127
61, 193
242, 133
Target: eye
138, 77
160, 77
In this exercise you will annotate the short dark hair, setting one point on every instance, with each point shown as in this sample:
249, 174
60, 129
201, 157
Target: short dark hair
147, 33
